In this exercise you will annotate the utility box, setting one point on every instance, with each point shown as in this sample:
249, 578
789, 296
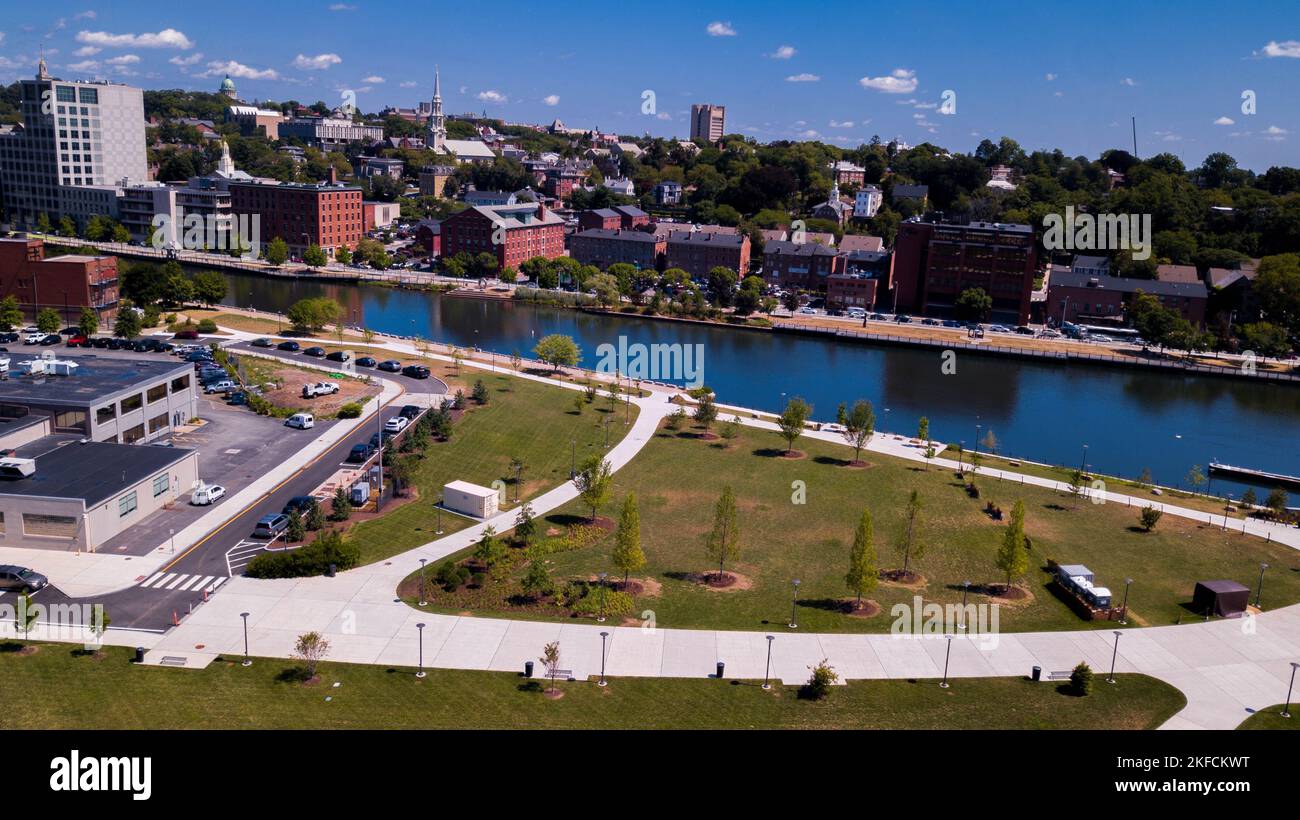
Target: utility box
470, 499
360, 493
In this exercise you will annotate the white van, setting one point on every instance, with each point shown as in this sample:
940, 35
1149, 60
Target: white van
302, 421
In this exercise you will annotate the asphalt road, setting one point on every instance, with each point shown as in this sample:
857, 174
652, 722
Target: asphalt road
179, 584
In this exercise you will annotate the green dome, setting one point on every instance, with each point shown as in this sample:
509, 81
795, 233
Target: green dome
227, 84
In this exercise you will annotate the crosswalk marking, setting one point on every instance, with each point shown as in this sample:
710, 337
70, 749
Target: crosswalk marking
152, 578
158, 584
189, 583
182, 582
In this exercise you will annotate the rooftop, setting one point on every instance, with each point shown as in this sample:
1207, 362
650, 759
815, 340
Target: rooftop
619, 233
799, 249
97, 378
1071, 279
93, 471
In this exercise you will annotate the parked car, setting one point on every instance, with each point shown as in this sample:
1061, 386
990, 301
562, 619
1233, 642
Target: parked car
33, 338
951, 323
269, 526
207, 494
300, 421
415, 371
396, 424
237, 398
222, 386
930, 322
410, 412
316, 352
339, 356
198, 356
186, 334
300, 504
51, 339
877, 317
9, 336
21, 579
1025, 330
263, 342
289, 347
360, 453
903, 319
366, 361
115, 343
311, 391
807, 310
390, 366
78, 340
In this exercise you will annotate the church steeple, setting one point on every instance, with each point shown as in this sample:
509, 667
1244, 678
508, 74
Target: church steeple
225, 165
42, 72
437, 134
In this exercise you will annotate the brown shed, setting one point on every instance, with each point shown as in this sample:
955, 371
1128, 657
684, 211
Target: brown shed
1227, 599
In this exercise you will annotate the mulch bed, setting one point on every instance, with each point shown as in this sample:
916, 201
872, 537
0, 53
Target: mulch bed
793, 455
858, 465
899, 578
707, 436
869, 609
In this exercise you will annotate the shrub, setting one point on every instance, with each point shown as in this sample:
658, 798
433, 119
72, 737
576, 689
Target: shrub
207, 326
351, 410
313, 559
1081, 680
1149, 517
585, 599
451, 576
698, 393
819, 683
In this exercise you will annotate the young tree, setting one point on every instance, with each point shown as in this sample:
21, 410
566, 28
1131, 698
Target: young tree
311, 649
296, 531
537, 581
480, 393
11, 314
1149, 517
1248, 498
127, 325
910, 543
315, 518
821, 680
792, 421
578, 405
1081, 679
314, 257
990, 442
723, 541
516, 361
490, 550
343, 255
706, 412
1013, 558
594, 479
862, 575
47, 320
558, 351
1276, 502
88, 324
730, 428
525, 524
675, 419
923, 429
628, 556
858, 423
340, 506
551, 662
277, 252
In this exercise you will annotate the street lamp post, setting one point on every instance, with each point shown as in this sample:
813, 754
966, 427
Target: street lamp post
1113, 655
247, 660
603, 636
1286, 710
1083, 461
1128, 582
601, 618
1259, 590
947, 655
573, 459
767, 675
420, 673
438, 526
794, 600
978, 427
423, 561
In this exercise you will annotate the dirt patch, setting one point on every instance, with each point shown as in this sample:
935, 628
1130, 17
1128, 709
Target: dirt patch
554, 694
729, 582
905, 580
793, 455
868, 609
552, 532
1014, 595
28, 650
707, 436
639, 587
859, 465
290, 380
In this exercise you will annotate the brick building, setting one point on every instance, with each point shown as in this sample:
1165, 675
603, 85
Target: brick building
800, 265
603, 247
1084, 299
66, 283
561, 181
933, 264
328, 214
698, 252
626, 217
521, 232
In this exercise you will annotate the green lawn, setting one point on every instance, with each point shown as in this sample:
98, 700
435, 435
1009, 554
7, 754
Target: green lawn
58, 688
677, 479
1271, 718
529, 420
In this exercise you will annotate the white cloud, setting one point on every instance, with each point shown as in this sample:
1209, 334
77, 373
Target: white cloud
84, 65
802, 78
193, 59
88, 14
783, 53
899, 81
218, 68
845, 124
342, 7
551, 99
1286, 48
125, 59
1225, 121
663, 115
1050, 76
1275, 134
492, 96
809, 134
374, 79
167, 38
1058, 93
720, 29
1128, 81
90, 51
408, 84
318, 63
2, 38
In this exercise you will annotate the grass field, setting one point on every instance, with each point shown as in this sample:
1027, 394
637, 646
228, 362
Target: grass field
525, 419
677, 479
1271, 718
111, 693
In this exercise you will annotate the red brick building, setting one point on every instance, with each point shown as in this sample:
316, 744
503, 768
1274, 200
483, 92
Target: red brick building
934, 263
698, 252
327, 214
603, 247
800, 265
1085, 299
848, 290
66, 283
560, 182
626, 217
512, 232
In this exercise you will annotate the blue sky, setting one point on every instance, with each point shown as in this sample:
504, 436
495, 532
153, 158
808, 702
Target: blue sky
1047, 74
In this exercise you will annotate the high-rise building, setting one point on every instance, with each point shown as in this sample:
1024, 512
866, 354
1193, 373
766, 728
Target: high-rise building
708, 122
934, 263
72, 134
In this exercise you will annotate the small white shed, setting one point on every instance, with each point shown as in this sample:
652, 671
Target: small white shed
470, 499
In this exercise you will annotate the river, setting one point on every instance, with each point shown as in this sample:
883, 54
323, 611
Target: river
1129, 419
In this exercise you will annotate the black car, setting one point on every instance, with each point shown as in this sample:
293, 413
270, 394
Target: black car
114, 343
100, 341
374, 442
51, 339
410, 412
6, 338
263, 342
1025, 330
291, 347
300, 503
197, 356
314, 351
390, 366
415, 371
360, 453
212, 374
339, 356
237, 397
366, 361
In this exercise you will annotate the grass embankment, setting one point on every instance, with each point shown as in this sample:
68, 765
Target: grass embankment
523, 419
111, 693
678, 478
1271, 718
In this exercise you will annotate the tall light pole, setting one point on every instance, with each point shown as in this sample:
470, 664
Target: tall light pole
423, 561
1083, 462
601, 619
1128, 582
247, 660
943, 684
767, 676
1286, 710
603, 636
420, 673
1113, 655
794, 600
438, 508
1259, 591
978, 427
573, 459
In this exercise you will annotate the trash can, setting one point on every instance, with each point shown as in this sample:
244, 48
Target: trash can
139, 654
721, 667
1037, 674
330, 572
528, 669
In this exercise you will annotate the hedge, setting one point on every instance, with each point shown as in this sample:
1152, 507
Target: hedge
313, 559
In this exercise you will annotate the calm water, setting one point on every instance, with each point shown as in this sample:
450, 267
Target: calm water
1130, 419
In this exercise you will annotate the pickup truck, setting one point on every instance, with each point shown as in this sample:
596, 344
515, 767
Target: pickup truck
311, 391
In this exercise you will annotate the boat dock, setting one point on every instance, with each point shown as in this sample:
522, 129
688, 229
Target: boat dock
1262, 476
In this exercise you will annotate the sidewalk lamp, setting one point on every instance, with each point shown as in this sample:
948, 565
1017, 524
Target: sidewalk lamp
602, 681
1128, 582
1113, 655
423, 561
965, 588
767, 675
601, 619
943, 684
1083, 461
1259, 590
794, 600
247, 660
1286, 710
573, 458
420, 628
438, 526
978, 427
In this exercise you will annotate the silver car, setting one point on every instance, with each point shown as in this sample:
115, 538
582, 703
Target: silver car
21, 579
